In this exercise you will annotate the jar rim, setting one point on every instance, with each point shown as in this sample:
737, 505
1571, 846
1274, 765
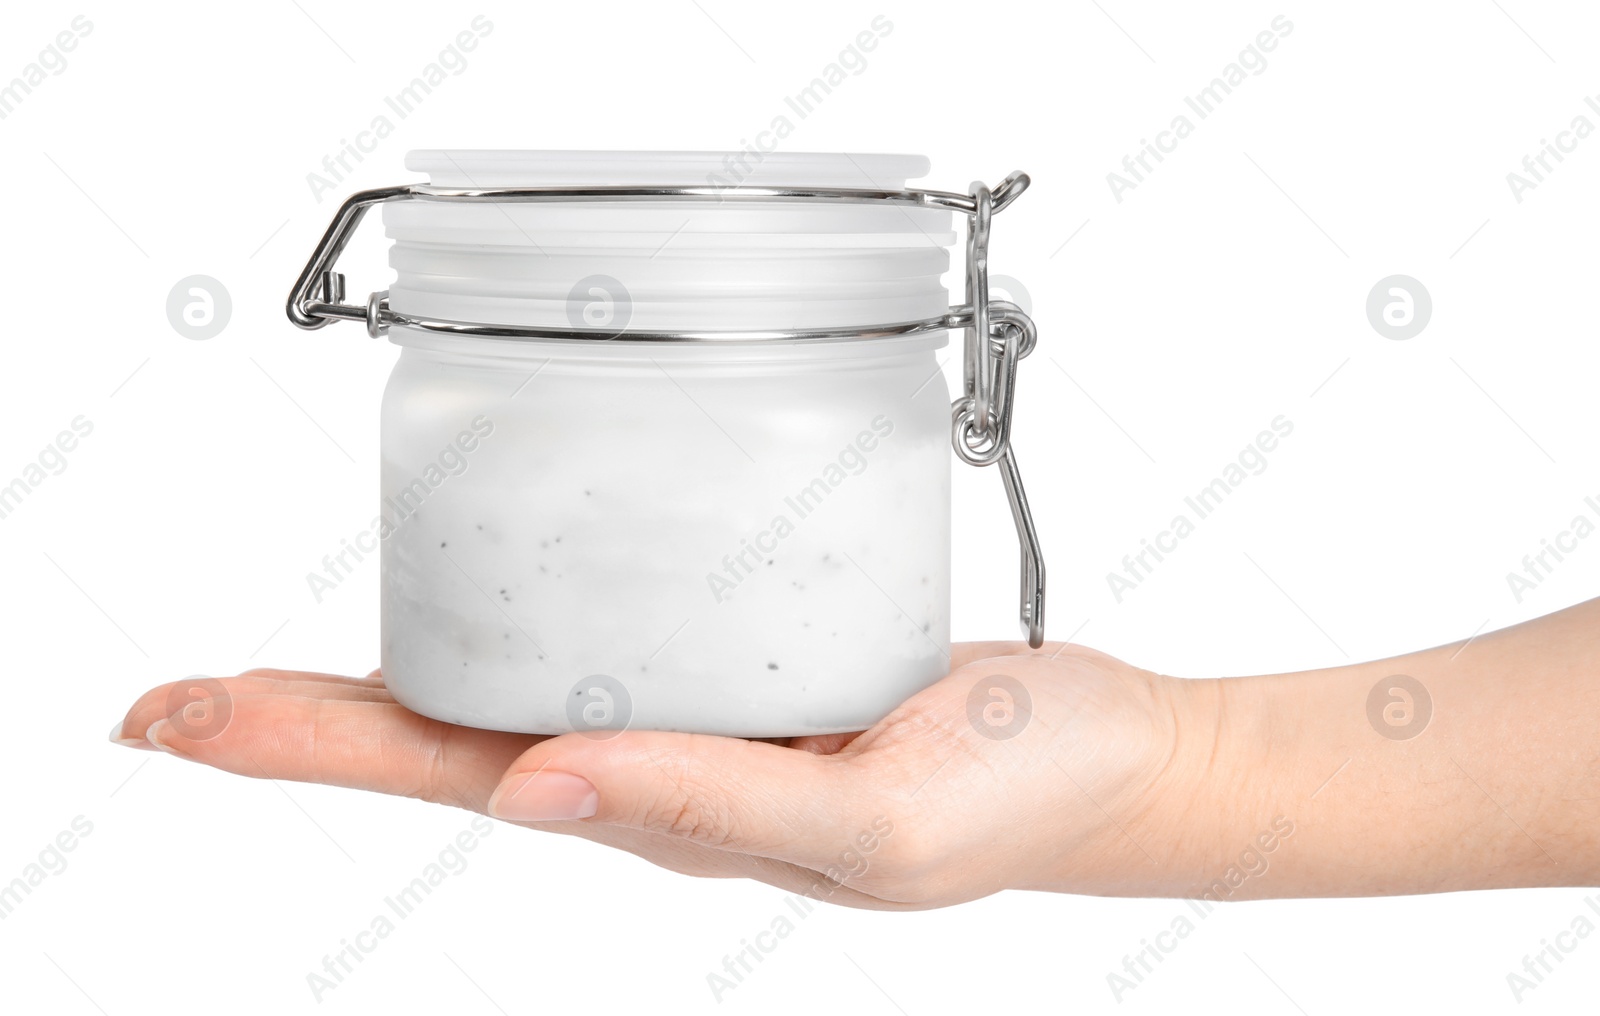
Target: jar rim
622, 348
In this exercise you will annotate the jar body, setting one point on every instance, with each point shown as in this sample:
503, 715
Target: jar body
744, 540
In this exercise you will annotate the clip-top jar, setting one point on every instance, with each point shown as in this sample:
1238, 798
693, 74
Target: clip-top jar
667, 444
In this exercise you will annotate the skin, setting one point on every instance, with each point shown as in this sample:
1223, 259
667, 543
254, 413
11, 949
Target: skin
1121, 782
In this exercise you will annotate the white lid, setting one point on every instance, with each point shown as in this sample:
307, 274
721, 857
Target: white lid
693, 264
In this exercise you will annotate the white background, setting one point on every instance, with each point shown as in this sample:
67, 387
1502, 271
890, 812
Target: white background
1228, 288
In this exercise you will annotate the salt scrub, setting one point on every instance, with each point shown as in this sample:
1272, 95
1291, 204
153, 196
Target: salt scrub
746, 538
761, 575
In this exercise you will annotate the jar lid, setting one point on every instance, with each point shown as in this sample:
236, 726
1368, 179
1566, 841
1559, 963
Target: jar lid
696, 264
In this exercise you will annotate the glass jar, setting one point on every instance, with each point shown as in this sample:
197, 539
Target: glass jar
646, 462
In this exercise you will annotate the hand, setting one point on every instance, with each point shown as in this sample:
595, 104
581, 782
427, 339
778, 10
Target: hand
1081, 790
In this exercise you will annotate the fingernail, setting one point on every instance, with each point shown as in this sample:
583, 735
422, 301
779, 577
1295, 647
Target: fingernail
129, 742
157, 734
544, 796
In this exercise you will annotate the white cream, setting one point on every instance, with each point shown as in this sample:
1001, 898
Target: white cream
605, 525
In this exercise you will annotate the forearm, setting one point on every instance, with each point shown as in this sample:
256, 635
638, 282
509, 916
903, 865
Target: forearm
1498, 787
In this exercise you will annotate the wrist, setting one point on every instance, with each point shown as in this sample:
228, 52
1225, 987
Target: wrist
1211, 817
1213, 814
1178, 805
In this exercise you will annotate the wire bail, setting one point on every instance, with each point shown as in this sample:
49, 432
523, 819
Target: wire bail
998, 333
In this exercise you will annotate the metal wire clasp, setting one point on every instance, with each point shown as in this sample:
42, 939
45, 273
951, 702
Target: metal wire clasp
998, 333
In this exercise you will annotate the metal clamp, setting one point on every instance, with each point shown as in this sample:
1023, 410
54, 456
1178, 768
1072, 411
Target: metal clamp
998, 334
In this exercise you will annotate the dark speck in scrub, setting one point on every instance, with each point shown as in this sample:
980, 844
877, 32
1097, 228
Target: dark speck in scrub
441, 544
772, 666
927, 626
769, 562
558, 539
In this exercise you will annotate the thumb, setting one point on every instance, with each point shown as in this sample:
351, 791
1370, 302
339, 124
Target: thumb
745, 796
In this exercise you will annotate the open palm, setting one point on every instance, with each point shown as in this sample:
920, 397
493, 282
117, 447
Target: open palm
1020, 769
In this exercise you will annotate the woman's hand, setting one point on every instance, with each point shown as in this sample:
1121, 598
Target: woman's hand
1467, 766
1059, 768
